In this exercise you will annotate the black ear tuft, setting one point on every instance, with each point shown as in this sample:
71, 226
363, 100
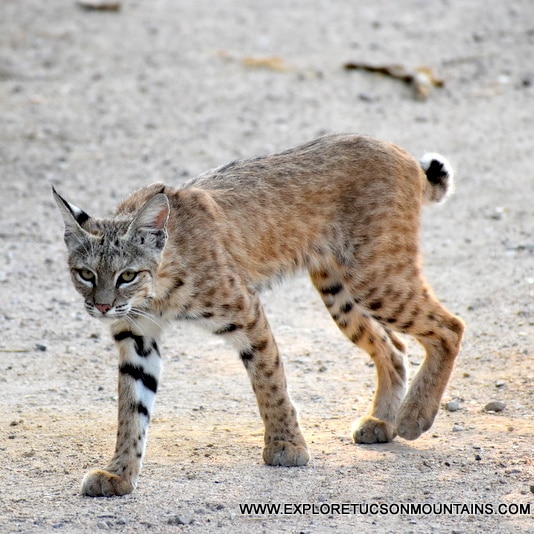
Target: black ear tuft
65, 207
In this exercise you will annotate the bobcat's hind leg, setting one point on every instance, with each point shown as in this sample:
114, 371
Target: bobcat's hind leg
386, 351
251, 334
139, 372
412, 309
440, 333
388, 355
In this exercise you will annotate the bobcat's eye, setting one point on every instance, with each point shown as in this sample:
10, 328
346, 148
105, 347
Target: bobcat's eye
127, 277
87, 275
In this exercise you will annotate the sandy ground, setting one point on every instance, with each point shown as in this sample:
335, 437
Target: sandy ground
101, 103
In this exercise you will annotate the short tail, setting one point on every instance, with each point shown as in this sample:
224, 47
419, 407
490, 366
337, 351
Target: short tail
439, 174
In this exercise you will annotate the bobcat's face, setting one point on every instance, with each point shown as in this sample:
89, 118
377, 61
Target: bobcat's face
112, 296
113, 262
112, 278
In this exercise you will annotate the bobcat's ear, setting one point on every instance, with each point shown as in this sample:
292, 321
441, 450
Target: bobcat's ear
71, 213
73, 217
150, 223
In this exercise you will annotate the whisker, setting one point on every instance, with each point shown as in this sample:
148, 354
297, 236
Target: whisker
135, 324
142, 313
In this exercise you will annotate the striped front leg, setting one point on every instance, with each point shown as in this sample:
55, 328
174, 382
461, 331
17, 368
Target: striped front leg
139, 372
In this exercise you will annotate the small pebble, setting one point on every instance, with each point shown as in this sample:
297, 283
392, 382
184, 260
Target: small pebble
366, 97
495, 406
532, 488
453, 405
500, 383
99, 5
457, 428
180, 520
40, 348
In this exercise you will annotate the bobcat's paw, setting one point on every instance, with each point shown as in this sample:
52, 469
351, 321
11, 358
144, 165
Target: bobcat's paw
369, 429
285, 454
412, 421
100, 483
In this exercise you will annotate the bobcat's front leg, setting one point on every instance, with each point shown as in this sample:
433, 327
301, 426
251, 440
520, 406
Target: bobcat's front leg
284, 442
139, 372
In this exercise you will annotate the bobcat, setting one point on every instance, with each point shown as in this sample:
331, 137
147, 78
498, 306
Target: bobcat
344, 207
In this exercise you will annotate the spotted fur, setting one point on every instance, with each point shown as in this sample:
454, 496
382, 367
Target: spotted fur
346, 208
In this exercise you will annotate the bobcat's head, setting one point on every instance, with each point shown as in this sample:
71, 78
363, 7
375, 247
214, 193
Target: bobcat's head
113, 261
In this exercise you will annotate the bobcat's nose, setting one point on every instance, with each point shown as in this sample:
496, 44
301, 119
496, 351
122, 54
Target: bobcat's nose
102, 308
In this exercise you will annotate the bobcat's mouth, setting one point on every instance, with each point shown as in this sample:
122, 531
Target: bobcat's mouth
114, 312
